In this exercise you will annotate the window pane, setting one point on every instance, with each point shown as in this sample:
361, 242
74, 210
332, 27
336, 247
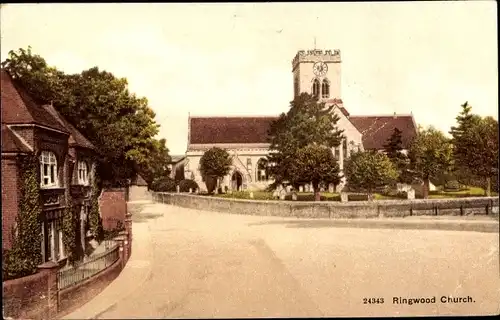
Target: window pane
52, 174
45, 169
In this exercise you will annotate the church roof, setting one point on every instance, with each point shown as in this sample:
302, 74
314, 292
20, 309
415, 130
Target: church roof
377, 129
209, 130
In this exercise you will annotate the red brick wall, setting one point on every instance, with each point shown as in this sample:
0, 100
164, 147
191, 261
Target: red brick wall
113, 207
74, 297
27, 297
10, 199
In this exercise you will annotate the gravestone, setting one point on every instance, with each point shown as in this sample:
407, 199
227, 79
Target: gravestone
282, 194
190, 190
251, 194
275, 194
178, 189
294, 196
410, 194
301, 189
322, 189
330, 188
344, 197
306, 188
288, 188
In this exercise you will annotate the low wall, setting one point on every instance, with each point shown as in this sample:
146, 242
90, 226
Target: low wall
333, 210
88, 289
113, 207
26, 298
37, 296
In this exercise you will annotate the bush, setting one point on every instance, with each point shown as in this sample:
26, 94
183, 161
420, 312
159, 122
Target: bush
165, 184
14, 267
187, 184
453, 185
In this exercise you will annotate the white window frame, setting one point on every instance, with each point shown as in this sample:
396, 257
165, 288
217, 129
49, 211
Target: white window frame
49, 177
83, 172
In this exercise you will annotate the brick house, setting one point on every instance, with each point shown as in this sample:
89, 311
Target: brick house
66, 170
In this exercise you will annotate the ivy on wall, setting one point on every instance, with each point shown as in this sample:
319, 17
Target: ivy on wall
95, 221
26, 254
70, 229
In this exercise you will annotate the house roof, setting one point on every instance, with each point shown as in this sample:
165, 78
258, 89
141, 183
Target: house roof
75, 138
19, 108
11, 143
208, 130
376, 130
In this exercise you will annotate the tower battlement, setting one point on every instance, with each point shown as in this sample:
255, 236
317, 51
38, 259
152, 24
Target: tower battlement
316, 55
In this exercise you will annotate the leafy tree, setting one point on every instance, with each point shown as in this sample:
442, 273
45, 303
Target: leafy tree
316, 164
430, 155
214, 164
120, 125
307, 122
394, 150
369, 170
475, 147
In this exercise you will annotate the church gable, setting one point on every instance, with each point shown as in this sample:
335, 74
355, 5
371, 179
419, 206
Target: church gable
376, 130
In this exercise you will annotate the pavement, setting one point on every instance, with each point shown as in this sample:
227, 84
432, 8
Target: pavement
189, 263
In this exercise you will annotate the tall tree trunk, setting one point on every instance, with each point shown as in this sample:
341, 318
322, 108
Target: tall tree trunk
488, 186
317, 195
425, 188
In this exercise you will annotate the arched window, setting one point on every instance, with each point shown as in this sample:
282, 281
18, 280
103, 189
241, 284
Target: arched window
325, 89
316, 88
48, 170
83, 173
262, 172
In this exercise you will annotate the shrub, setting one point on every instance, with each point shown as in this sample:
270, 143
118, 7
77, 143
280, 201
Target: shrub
164, 184
187, 184
452, 185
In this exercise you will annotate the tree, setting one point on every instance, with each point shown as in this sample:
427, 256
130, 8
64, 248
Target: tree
430, 155
394, 150
120, 125
368, 170
315, 164
475, 147
214, 164
307, 122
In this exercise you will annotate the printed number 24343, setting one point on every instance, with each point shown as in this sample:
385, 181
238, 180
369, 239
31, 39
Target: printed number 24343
373, 300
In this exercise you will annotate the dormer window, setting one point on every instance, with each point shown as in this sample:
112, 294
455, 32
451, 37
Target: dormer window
48, 170
83, 173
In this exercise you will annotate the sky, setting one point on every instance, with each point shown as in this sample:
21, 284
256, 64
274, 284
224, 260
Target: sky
424, 58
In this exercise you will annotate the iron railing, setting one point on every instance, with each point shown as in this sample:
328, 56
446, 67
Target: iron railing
86, 269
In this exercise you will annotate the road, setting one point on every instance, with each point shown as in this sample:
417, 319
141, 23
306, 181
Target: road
212, 265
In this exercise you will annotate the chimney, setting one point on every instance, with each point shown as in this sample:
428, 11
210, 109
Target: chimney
395, 116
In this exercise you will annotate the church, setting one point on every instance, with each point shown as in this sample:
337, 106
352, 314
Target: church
316, 72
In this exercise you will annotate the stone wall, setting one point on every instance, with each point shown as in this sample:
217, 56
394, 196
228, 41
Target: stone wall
335, 210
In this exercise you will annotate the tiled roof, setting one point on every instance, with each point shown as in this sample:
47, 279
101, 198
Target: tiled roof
19, 108
377, 129
75, 138
176, 158
139, 181
10, 143
208, 130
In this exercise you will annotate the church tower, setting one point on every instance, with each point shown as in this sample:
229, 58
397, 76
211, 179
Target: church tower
317, 73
